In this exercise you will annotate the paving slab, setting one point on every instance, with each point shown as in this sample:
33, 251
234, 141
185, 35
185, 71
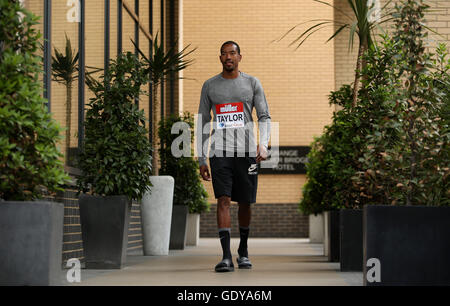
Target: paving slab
276, 262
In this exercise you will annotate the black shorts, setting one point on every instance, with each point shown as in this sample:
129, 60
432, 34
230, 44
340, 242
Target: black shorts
235, 177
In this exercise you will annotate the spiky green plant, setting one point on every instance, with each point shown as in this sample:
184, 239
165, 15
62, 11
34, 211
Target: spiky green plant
161, 66
360, 23
65, 71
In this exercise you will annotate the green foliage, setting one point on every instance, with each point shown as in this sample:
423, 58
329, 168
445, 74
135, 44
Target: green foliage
65, 71
441, 78
331, 161
29, 158
316, 190
65, 66
189, 189
116, 154
393, 146
162, 65
380, 91
361, 22
406, 157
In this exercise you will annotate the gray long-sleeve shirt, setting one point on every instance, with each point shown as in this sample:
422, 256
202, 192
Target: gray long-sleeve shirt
232, 102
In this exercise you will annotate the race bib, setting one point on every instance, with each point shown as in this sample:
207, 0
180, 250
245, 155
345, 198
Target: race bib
230, 115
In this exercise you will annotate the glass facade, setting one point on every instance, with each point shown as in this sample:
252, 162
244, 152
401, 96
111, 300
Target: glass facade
97, 31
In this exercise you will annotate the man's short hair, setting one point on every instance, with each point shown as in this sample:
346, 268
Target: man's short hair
230, 42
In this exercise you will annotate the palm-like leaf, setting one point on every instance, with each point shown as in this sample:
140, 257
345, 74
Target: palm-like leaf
360, 24
161, 66
64, 71
64, 65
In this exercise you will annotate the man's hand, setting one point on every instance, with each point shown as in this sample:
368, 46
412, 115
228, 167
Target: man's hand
261, 154
204, 172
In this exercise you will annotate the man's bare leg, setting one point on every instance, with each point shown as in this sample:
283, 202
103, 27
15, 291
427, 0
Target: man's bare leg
223, 212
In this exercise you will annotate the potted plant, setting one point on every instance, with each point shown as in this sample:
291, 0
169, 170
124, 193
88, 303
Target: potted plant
190, 198
199, 205
316, 197
162, 65
342, 227
350, 128
406, 163
313, 193
331, 166
31, 230
115, 161
336, 155
363, 115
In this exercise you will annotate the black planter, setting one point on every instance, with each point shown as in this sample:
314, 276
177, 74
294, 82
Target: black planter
178, 227
31, 240
333, 235
412, 244
351, 240
104, 226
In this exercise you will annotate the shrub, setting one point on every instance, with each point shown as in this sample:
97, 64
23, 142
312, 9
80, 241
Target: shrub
331, 159
319, 183
406, 157
116, 154
334, 161
189, 189
395, 140
29, 158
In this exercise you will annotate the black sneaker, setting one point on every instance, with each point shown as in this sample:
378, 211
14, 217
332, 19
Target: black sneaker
244, 263
226, 265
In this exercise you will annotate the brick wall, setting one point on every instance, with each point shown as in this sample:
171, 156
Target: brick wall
72, 238
72, 241
296, 83
268, 220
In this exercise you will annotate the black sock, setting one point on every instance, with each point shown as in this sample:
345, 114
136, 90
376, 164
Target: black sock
242, 250
224, 234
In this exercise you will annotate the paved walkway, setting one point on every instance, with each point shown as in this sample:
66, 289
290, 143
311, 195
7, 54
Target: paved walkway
276, 262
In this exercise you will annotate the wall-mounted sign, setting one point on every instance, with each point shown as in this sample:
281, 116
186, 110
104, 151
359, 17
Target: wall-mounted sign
291, 160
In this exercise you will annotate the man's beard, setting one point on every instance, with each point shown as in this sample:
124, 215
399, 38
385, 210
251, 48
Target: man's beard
229, 68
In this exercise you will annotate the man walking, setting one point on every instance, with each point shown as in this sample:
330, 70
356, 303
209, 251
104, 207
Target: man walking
234, 155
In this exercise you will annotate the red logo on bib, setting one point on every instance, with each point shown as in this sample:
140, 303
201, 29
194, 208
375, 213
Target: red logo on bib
230, 115
229, 108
